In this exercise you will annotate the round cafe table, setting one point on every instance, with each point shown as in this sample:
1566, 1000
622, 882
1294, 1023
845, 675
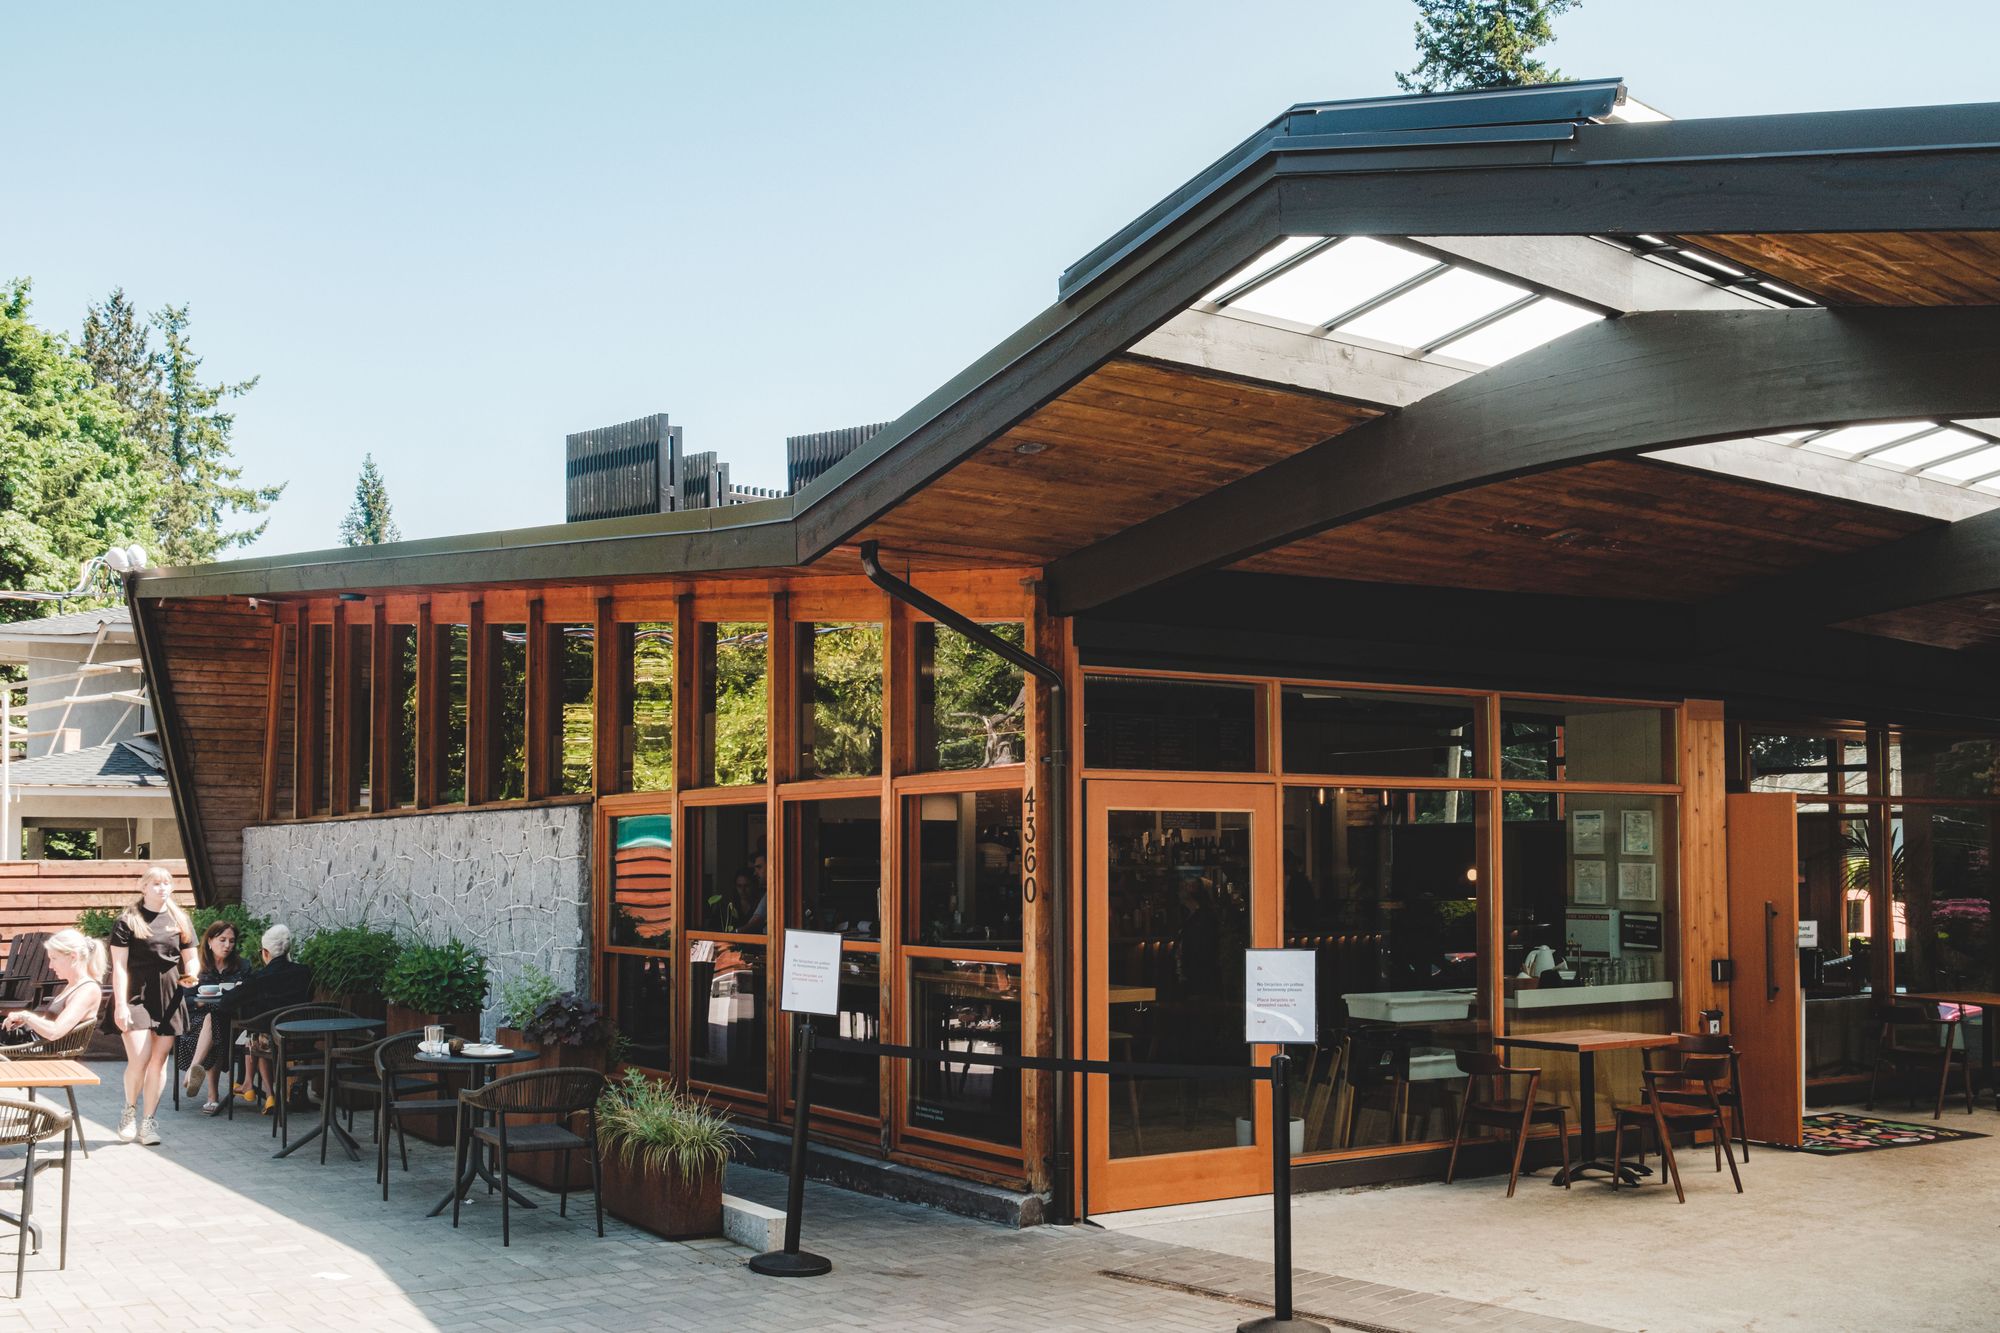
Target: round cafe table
479, 1069
326, 1030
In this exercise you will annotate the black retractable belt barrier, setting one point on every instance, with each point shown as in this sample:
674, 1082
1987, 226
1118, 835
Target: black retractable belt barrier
792, 1262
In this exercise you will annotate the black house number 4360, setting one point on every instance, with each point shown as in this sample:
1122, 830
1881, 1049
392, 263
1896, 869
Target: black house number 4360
1029, 857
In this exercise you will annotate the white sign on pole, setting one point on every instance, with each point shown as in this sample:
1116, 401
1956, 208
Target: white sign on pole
812, 972
1280, 996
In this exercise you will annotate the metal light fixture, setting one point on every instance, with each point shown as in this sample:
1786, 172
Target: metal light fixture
118, 560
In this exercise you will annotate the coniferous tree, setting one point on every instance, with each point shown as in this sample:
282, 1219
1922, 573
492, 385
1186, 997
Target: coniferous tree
368, 521
1467, 44
117, 344
200, 484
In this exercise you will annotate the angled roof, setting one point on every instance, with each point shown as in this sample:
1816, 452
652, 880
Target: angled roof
82, 625
115, 765
1456, 171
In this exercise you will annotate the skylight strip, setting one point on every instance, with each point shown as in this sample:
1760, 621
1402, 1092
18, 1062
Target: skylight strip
1874, 449
1267, 266
1408, 284
1473, 326
1981, 447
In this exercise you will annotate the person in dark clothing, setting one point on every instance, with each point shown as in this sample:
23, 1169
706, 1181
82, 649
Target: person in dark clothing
281, 983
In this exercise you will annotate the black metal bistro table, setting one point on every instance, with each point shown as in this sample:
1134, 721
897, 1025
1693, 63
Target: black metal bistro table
326, 1029
480, 1072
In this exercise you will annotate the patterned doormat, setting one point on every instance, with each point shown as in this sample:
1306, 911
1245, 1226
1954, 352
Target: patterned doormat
1837, 1132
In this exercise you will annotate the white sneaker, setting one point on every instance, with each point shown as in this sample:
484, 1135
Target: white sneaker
128, 1121
149, 1133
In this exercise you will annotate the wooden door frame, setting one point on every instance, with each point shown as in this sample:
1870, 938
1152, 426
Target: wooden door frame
1189, 1177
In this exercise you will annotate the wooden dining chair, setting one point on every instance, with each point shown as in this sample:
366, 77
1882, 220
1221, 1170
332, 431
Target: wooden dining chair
562, 1093
1496, 1105
1698, 1074
1937, 1049
1728, 1094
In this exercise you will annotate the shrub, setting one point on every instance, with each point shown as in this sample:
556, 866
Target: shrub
649, 1123
437, 978
568, 1019
349, 960
523, 996
97, 922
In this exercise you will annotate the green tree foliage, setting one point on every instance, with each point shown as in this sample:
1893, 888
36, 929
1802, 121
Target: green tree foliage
741, 734
72, 480
846, 691
180, 424
980, 701
368, 521
1466, 44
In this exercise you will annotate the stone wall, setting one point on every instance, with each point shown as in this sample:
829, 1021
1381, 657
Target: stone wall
513, 883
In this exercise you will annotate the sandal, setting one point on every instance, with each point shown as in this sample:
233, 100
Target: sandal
210, 1108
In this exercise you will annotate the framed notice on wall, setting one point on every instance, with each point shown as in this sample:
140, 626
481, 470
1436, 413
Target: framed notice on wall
1586, 833
1589, 882
1638, 881
1636, 832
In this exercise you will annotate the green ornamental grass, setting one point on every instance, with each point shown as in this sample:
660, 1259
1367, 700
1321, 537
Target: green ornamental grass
650, 1124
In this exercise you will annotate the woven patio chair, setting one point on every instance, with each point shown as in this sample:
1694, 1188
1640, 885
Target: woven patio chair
406, 1080
25, 1124
70, 1046
565, 1093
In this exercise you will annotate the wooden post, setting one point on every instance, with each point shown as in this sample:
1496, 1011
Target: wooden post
1704, 898
1042, 639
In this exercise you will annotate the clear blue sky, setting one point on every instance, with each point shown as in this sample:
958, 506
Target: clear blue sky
452, 233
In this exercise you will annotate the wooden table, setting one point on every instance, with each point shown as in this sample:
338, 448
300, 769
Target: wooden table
1584, 1044
1988, 1004
45, 1074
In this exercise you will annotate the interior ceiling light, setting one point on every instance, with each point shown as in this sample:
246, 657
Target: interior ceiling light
1030, 447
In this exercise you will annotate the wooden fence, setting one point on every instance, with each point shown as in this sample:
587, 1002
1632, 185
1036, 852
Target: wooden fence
48, 895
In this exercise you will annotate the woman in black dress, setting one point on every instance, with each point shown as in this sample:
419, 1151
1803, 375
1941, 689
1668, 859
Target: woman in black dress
152, 949
221, 966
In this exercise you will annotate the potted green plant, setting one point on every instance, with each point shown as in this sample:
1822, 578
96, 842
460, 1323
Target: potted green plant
436, 983
566, 1031
350, 964
521, 995
663, 1154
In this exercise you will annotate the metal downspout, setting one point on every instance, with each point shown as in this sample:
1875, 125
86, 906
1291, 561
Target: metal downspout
1063, 1202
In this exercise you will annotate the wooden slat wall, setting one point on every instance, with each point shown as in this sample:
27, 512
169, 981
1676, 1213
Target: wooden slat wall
49, 895
1628, 527
218, 655
1704, 934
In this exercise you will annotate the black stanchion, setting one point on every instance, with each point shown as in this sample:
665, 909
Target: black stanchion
792, 1261
1281, 1206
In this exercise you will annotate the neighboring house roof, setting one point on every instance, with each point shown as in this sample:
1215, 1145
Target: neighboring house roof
81, 626
120, 764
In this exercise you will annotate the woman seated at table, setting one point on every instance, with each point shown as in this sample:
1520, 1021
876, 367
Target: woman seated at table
79, 961
280, 984
221, 965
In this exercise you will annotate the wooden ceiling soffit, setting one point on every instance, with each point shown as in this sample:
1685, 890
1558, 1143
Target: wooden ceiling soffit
1132, 440
1624, 528
1927, 268
1617, 388
1967, 624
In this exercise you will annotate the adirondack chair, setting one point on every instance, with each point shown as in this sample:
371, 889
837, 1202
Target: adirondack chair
28, 971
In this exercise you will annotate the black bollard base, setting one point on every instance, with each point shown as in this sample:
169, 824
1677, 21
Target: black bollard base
790, 1263
1270, 1323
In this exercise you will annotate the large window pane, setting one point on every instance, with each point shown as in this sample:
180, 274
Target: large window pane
840, 700
726, 980
507, 712
1383, 886
403, 715
287, 722
1581, 742
1178, 891
851, 1082
1926, 765
646, 748
572, 652
727, 852
1836, 892
970, 1009
642, 1005
642, 881
1805, 763
735, 727
965, 867
1380, 734
1942, 861
1135, 722
453, 650
319, 721
971, 703
360, 714
836, 866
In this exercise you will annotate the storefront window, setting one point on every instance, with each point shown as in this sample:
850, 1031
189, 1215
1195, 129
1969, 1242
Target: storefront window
1328, 730
507, 712
572, 653
1807, 764
642, 881
319, 719
836, 866
843, 1082
726, 981
1837, 896
1132, 722
840, 700
726, 848
735, 725
1944, 885
964, 863
287, 723
1549, 741
453, 675
642, 999
1384, 886
972, 704
646, 677
360, 714
1929, 765
403, 715
970, 1009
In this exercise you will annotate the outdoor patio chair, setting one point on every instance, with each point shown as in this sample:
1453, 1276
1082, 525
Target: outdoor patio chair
396, 1067
25, 1124
1729, 1095
1498, 1107
1701, 1074
564, 1093
26, 971
1936, 1050
301, 1061
70, 1046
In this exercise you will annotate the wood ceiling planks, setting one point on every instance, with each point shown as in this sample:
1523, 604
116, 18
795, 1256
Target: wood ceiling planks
1627, 528
1131, 441
1874, 268
1961, 623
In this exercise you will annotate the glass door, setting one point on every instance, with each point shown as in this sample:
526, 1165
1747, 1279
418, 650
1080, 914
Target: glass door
1182, 877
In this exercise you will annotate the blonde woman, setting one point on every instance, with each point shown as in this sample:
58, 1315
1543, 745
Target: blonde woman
79, 961
152, 949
